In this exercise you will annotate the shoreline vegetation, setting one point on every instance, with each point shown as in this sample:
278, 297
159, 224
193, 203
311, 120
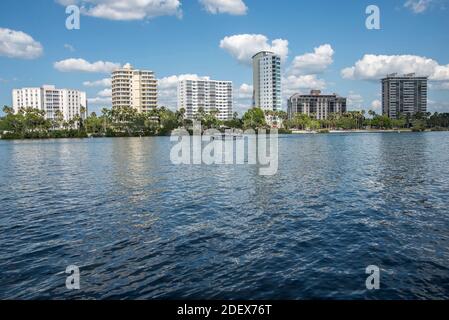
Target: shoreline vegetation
30, 123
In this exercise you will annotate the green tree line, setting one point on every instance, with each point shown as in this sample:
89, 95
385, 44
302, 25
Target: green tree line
31, 123
357, 120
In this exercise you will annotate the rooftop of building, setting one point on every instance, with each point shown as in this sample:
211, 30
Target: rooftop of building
206, 80
315, 93
404, 76
265, 53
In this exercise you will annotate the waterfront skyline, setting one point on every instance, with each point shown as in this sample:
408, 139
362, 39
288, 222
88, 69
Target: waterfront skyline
314, 57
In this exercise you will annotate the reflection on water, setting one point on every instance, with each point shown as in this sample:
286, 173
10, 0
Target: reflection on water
140, 227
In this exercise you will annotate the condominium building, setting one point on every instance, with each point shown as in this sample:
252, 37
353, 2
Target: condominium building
134, 88
267, 81
315, 104
210, 95
49, 99
405, 94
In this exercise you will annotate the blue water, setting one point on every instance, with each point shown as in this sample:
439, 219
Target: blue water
141, 228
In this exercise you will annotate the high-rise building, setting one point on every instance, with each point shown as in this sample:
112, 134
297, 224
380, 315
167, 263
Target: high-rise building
207, 94
49, 99
267, 81
405, 94
315, 104
134, 88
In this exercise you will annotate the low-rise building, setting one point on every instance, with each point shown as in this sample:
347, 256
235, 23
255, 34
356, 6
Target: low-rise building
316, 105
48, 98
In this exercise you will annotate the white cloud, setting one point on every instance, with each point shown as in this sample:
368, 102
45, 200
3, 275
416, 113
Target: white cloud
69, 47
243, 98
81, 65
245, 91
244, 46
100, 101
105, 93
355, 101
127, 9
233, 7
107, 82
438, 106
440, 86
168, 88
375, 67
418, 6
297, 84
17, 44
313, 63
376, 106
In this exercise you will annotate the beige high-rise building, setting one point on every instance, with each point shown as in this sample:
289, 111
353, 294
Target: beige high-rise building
134, 88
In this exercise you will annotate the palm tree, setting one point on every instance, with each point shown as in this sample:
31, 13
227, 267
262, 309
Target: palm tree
59, 117
8, 110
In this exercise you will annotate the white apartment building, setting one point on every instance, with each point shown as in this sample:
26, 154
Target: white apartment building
134, 88
267, 81
207, 94
48, 98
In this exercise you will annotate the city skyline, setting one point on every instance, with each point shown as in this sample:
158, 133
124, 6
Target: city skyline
313, 57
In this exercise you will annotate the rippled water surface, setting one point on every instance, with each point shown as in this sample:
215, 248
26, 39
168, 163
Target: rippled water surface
142, 228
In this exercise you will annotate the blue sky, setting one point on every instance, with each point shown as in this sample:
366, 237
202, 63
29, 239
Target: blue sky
325, 45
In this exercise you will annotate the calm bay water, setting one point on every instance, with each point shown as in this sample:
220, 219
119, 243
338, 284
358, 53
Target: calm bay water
142, 228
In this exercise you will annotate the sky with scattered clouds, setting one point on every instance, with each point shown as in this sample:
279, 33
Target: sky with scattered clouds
324, 44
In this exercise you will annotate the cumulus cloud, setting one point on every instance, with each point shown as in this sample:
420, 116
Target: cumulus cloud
244, 46
107, 82
243, 98
168, 88
440, 86
127, 9
355, 101
418, 6
438, 106
313, 63
81, 65
69, 47
100, 101
244, 92
376, 106
104, 97
17, 44
233, 7
105, 93
298, 84
302, 74
375, 67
